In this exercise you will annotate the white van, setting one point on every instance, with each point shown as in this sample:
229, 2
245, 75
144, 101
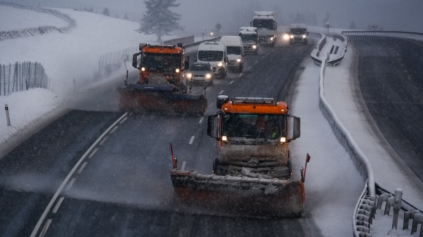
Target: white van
235, 50
215, 54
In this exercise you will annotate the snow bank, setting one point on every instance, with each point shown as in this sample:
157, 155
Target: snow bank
16, 19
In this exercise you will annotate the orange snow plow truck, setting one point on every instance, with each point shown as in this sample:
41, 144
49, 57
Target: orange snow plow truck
252, 172
160, 88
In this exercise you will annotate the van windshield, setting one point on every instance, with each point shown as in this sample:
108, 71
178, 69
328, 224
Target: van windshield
234, 50
210, 56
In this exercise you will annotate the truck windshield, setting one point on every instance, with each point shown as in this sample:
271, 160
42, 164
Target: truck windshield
210, 56
234, 50
253, 126
155, 61
263, 23
298, 31
247, 38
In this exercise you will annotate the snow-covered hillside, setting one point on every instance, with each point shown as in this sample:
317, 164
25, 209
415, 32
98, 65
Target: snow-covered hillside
66, 57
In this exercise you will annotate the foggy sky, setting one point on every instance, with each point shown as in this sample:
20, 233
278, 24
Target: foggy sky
202, 15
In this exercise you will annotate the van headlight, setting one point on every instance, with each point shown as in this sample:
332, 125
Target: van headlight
188, 75
292, 36
286, 36
238, 60
272, 38
220, 64
254, 46
208, 76
304, 36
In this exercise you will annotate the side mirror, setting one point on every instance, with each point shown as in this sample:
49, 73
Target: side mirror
211, 131
135, 60
251, 23
226, 59
294, 130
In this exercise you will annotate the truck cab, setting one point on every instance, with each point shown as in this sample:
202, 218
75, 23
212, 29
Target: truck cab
252, 137
249, 39
265, 22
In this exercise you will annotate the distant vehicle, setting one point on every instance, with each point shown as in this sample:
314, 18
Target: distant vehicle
265, 22
215, 54
249, 39
298, 34
235, 51
199, 73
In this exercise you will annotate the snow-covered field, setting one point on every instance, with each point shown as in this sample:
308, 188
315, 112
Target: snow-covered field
65, 57
16, 19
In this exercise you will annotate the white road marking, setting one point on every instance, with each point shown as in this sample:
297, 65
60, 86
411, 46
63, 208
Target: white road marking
92, 153
56, 208
82, 167
240, 75
249, 67
70, 184
191, 140
62, 186
201, 120
45, 228
221, 92
183, 165
104, 139
210, 104
114, 129
123, 120
231, 82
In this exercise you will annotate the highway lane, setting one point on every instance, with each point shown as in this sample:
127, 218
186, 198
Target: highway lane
128, 177
390, 80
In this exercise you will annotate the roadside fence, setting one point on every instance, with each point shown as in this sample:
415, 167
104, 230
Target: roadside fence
22, 76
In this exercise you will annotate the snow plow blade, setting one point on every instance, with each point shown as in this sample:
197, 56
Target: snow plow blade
160, 99
240, 196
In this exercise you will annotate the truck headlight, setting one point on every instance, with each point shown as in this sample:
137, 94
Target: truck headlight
282, 140
292, 36
208, 76
272, 38
304, 36
143, 69
188, 75
224, 138
177, 70
238, 60
254, 47
286, 36
220, 64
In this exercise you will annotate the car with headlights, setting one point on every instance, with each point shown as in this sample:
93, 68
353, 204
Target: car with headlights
215, 54
235, 50
199, 73
298, 34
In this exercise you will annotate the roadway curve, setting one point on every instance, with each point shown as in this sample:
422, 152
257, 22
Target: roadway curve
125, 188
390, 80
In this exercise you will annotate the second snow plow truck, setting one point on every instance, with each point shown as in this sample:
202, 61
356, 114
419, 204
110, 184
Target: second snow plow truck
252, 172
160, 88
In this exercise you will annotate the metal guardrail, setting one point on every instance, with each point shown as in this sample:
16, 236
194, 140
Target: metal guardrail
199, 42
399, 33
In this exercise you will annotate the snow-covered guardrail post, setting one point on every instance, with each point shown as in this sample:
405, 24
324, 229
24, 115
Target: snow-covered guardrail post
397, 201
418, 219
6, 107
